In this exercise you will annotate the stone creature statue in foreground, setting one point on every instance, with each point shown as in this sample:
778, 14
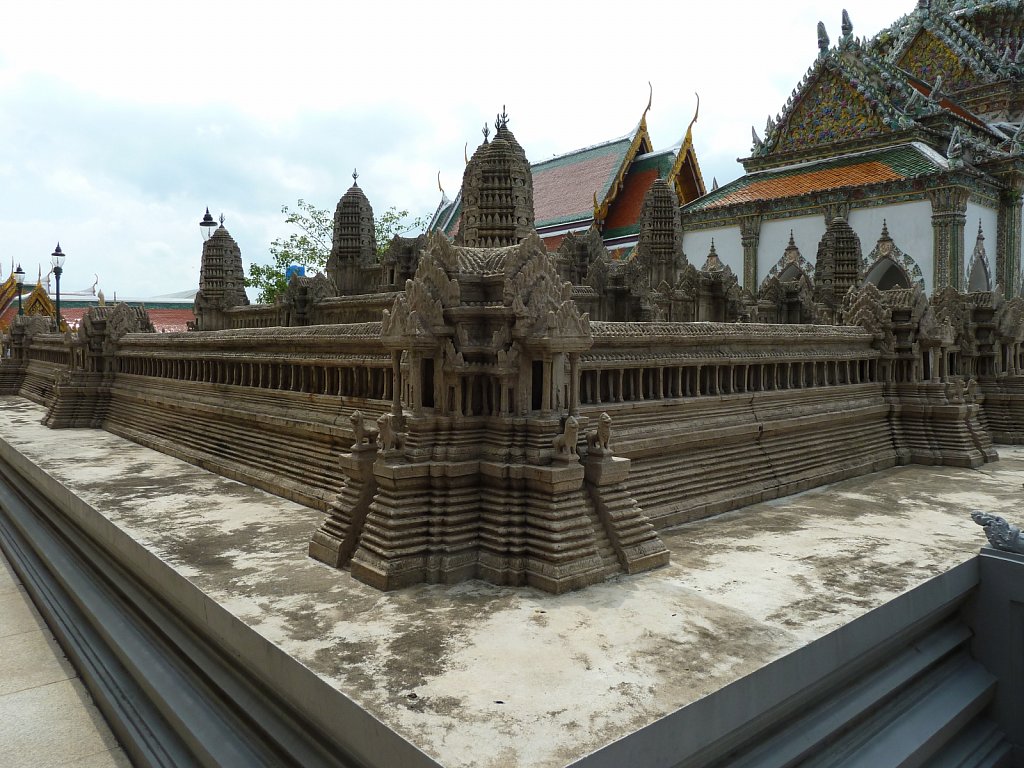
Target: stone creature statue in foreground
565, 443
599, 439
1001, 535
390, 438
363, 434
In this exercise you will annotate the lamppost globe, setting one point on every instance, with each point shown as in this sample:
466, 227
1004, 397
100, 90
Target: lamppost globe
207, 225
57, 258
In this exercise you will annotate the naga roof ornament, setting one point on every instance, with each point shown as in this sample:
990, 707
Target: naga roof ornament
823, 41
955, 150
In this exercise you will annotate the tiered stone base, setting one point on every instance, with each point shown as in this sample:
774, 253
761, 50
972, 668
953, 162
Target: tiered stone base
80, 400
931, 427
1003, 408
557, 527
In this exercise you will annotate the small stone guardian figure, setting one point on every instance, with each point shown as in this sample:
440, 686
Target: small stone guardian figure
365, 436
1001, 535
565, 443
390, 439
599, 440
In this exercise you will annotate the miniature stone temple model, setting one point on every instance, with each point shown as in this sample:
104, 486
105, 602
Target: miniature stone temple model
486, 401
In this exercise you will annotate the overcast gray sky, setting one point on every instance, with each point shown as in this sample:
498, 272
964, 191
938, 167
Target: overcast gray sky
121, 121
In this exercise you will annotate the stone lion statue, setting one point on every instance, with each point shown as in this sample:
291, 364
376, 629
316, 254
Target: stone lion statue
1001, 535
565, 443
599, 439
363, 434
389, 438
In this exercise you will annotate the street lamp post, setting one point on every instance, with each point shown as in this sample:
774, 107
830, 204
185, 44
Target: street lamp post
19, 280
207, 226
57, 261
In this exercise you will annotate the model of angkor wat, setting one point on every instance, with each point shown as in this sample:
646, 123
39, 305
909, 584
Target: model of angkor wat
486, 402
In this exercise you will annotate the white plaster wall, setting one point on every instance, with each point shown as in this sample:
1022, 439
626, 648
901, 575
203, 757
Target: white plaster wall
728, 245
989, 218
910, 226
807, 232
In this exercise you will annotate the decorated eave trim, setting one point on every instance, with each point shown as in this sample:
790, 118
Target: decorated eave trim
39, 302
641, 141
686, 148
831, 61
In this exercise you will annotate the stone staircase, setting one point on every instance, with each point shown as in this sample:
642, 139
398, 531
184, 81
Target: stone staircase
291, 453
712, 455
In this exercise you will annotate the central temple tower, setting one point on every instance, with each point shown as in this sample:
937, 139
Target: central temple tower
497, 192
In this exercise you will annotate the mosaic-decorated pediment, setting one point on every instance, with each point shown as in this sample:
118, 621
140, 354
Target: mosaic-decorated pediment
830, 110
930, 58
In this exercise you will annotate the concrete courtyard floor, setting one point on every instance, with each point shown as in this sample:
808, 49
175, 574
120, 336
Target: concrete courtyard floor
46, 715
477, 675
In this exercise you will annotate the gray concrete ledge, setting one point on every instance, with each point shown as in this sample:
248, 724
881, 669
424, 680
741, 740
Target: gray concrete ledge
477, 675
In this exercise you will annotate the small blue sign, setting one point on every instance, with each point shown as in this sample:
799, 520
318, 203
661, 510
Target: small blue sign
294, 269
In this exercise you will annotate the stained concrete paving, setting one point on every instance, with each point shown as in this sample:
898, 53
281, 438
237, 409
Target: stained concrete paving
47, 717
479, 675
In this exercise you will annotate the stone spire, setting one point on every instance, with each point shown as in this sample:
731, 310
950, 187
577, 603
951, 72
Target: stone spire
792, 254
712, 263
221, 280
354, 244
661, 234
497, 192
837, 266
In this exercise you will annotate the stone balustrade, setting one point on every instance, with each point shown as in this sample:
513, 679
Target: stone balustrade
341, 361
632, 362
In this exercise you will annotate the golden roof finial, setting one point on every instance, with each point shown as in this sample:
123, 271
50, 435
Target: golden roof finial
689, 129
465, 152
650, 100
439, 187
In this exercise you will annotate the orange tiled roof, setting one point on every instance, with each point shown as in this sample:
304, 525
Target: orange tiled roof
813, 181
892, 164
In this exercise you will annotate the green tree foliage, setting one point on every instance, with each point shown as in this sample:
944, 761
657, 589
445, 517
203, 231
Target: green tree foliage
310, 244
